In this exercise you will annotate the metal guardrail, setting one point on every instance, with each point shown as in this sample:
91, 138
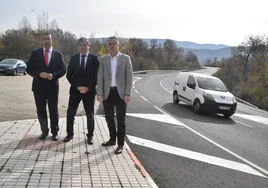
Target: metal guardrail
245, 102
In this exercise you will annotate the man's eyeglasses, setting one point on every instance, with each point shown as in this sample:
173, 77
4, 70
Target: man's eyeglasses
110, 44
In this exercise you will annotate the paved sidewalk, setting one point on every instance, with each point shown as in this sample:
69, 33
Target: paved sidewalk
26, 161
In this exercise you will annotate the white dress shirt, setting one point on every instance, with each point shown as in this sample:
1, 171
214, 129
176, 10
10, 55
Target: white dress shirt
86, 56
114, 61
49, 53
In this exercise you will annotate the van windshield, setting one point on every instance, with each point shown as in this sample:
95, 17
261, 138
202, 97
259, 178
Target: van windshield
214, 84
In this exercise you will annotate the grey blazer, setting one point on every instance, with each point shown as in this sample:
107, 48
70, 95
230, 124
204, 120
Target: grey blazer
124, 76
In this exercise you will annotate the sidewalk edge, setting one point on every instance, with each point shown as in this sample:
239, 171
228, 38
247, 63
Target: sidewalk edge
139, 166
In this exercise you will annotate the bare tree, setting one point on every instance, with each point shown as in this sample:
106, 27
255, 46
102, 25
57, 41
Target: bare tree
54, 25
24, 24
43, 21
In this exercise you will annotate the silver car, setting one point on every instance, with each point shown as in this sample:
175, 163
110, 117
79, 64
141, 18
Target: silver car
13, 66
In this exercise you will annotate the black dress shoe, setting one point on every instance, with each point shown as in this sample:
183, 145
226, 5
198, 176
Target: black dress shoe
108, 143
119, 150
55, 138
90, 141
43, 136
67, 138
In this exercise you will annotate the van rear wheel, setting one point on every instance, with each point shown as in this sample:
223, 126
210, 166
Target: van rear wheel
197, 106
175, 97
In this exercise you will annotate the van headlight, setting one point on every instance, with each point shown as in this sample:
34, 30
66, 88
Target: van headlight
234, 100
208, 96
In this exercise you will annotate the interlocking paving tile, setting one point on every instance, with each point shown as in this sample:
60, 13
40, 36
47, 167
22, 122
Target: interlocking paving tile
29, 162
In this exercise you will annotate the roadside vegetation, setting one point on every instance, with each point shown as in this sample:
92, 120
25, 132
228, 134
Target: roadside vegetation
19, 43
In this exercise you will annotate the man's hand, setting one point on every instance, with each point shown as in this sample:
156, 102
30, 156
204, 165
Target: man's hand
83, 89
43, 75
49, 76
127, 99
100, 98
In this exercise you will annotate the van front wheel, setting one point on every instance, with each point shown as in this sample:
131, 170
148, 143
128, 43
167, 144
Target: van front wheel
197, 106
175, 97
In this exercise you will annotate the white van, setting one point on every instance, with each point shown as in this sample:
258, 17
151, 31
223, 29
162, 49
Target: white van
205, 93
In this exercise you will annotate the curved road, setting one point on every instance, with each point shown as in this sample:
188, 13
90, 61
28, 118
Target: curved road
182, 149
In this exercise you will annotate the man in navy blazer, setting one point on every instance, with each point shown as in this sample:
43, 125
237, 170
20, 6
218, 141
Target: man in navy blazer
82, 74
46, 66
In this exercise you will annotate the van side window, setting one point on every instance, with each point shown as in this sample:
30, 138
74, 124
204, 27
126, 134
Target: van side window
191, 82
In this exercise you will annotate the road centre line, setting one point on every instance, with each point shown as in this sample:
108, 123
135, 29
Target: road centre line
144, 98
243, 124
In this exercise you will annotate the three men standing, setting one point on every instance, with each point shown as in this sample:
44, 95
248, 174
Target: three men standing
46, 66
112, 75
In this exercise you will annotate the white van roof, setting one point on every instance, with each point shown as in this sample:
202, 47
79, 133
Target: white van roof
197, 74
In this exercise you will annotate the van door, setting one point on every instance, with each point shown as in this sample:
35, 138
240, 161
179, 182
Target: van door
189, 90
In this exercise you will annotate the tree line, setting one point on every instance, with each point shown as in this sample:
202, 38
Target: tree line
20, 42
245, 73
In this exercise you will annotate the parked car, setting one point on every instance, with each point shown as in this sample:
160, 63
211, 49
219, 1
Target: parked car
13, 66
205, 93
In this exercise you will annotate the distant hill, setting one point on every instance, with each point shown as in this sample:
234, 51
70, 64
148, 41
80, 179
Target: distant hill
204, 54
190, 45
203, 51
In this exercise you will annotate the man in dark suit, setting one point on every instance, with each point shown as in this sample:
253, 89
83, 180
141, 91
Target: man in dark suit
46, 66
82, 75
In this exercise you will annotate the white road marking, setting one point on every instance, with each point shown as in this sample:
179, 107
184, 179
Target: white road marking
255, 118
135, 79
161, 110
136, 91
220, 146
164, 87
157, 117
243, 124
225, 149
144, 98
194, 155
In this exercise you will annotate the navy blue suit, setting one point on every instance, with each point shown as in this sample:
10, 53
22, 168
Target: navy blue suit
46, 91
86, 77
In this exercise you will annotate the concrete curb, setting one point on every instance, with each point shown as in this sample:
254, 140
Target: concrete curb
139, 166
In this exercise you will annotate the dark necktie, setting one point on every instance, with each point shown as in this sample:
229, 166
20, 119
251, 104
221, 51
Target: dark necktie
83, 62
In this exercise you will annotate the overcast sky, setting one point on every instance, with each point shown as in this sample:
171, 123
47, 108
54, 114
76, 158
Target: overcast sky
201, 21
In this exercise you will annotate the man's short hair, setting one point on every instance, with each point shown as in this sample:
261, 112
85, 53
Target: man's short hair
114, 38
47, 33
83, 40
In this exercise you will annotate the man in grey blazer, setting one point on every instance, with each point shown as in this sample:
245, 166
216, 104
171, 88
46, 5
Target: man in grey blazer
114, 86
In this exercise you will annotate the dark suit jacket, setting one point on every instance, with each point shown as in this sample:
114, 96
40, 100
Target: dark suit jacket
86, 77
37, 64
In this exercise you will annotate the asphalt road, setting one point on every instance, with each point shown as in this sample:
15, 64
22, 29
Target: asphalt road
178, 148
199, 150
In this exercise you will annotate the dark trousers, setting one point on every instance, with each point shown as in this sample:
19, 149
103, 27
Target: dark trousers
88, 102
114, 101
43, 98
